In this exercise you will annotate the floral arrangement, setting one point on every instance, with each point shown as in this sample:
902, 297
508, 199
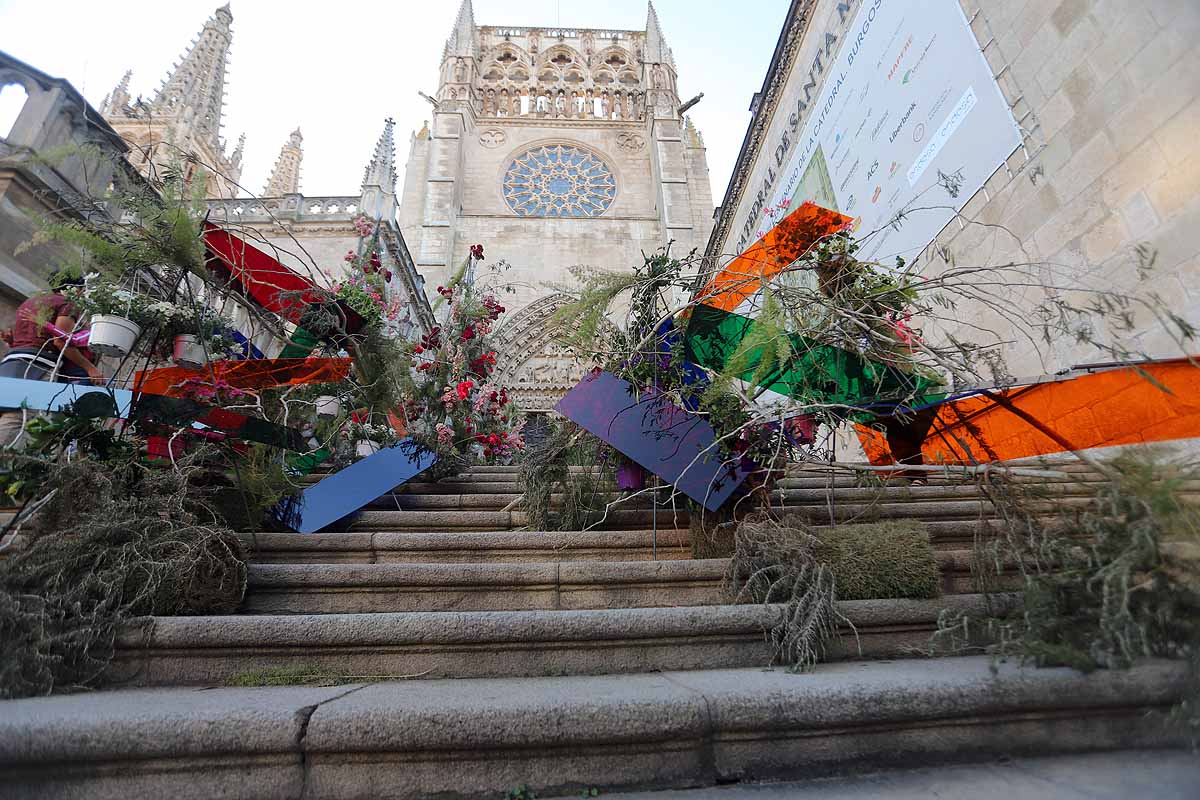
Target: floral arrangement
451, 402
365, 288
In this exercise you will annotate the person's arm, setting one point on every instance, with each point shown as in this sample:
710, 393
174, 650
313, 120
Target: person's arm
74, 354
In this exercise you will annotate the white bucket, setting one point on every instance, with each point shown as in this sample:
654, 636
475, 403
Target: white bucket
112, 335
366, 447
328, 406
188, 352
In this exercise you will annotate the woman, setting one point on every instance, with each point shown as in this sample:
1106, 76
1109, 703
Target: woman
38, 354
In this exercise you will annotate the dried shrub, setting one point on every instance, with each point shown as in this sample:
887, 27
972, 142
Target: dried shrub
1102, 584
776, 562
545, 471
876, 560
808, 570
113, 541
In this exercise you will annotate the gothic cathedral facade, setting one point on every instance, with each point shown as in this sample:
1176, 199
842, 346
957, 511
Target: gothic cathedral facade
552, 148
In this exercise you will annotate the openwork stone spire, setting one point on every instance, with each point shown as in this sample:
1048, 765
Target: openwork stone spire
657, 51
285, 178
462, 38
196, 87
378, 199
381, 171
119, 99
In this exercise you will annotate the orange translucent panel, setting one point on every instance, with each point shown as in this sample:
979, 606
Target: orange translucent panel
770, 255
261, 373
1122, 406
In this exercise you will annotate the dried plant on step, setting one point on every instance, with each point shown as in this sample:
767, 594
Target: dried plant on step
1104, 581
775, 562
555, 496
111, 541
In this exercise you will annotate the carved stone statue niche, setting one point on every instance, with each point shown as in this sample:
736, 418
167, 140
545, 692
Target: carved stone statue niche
504, 104
489, 102
560, 104
460, 71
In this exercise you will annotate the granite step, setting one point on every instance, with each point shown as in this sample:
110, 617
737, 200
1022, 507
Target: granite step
370, 588
483, 644
563, 735
621, 518
504, 546
787, 496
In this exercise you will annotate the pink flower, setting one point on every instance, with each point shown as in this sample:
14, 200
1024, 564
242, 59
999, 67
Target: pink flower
445, 433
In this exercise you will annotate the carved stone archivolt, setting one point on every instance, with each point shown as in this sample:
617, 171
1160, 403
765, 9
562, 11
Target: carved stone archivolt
493, 137
532, 363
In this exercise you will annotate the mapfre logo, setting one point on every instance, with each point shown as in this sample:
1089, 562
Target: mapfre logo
899, 58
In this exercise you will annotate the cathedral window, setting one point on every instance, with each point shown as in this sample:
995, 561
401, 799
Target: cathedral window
559, 180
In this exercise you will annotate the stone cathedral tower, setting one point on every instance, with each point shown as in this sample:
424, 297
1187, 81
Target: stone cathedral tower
184, 115
552, 147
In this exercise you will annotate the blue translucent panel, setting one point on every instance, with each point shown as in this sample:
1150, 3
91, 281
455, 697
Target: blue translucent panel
345, 492
674, 444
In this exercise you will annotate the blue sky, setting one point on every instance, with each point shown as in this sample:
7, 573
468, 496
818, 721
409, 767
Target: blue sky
337, 70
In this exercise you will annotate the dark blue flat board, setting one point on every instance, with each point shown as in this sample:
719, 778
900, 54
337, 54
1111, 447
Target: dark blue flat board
675, 445
345, 492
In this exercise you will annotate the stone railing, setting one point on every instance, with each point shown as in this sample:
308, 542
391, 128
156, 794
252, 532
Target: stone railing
290, 207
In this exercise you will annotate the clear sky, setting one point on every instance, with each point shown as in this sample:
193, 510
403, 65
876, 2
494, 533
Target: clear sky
337, 70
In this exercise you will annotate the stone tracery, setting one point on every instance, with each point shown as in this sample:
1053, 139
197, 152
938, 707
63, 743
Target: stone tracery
560, 180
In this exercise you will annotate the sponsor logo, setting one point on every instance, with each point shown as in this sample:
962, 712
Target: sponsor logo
899, 58
918, 131
850, 203
903, 120
911, 71
878, 125
875, 197
837, 137
874, 167
892, 169
849, 175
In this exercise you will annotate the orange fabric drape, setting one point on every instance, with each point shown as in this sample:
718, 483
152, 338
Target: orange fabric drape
1117, 406
770, 255
261, 373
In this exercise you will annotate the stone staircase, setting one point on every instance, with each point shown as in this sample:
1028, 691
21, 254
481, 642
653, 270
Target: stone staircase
477, 657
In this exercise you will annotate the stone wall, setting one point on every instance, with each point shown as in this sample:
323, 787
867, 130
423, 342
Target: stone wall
1107, 96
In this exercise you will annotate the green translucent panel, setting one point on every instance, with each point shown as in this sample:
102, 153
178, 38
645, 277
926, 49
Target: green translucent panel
301, 344
817, 373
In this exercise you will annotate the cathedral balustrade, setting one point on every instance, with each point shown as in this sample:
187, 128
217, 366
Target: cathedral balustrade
292, 207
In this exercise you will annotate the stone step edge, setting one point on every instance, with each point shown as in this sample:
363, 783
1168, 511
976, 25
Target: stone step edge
563, 734
266, 631
484, 576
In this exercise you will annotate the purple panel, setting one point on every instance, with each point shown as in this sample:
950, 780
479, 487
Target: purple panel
676, 446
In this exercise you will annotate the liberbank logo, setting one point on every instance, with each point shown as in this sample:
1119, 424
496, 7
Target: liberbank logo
903, 120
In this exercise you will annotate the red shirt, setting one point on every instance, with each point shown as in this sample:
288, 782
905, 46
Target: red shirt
29, 328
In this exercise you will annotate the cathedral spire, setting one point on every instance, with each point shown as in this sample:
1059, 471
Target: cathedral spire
462, 38
657, 51
285, 178
379, 179
196, 86
116, 102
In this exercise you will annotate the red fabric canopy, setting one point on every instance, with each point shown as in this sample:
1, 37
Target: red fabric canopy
272, 285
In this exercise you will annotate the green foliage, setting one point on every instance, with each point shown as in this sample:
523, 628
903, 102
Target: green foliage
1104, 584
288, 675
522, 792
582, 322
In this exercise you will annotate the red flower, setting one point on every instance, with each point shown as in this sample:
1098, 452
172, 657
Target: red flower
375, 262
477, 252
468, 333
418, 349
464, 389
387, 275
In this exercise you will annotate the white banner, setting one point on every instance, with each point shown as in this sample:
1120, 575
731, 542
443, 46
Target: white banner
909, 122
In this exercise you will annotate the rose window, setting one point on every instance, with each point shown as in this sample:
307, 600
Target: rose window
559, 180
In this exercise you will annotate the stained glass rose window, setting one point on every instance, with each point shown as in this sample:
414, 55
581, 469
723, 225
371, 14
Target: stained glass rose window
559, 180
